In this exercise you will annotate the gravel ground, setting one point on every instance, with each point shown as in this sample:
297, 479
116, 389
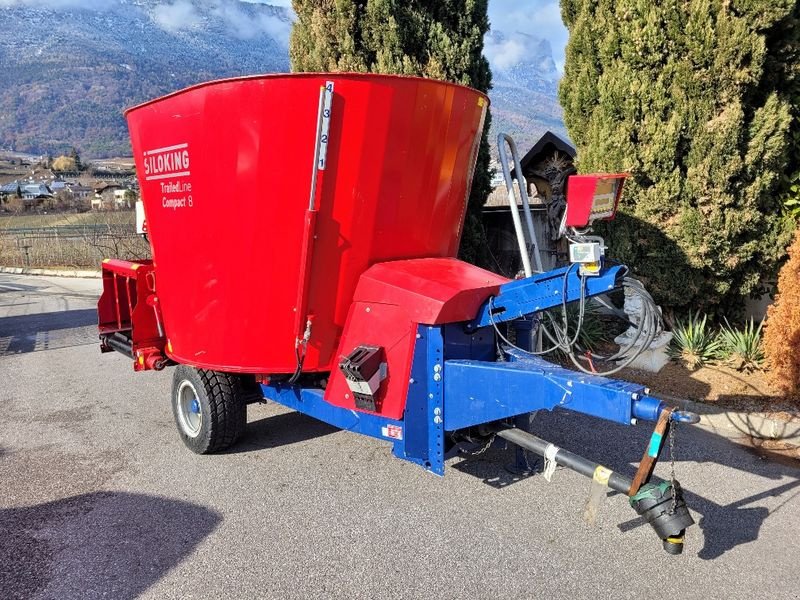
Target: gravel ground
99, 499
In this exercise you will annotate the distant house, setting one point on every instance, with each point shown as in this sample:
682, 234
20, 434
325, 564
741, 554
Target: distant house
123, 198
35, 191
10, 189
79, 191
545, 167
31, 194
35, 194
104, 196
113, 196
57, 186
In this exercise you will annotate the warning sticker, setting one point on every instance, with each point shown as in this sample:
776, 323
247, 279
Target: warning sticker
394, 432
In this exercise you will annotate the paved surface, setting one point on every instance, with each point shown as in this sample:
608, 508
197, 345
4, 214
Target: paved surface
98, 497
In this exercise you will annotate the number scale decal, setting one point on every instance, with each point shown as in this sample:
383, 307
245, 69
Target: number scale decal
326, 124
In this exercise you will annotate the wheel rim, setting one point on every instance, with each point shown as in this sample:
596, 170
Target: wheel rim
189, 413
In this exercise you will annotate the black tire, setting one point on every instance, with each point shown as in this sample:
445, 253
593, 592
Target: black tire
220, 414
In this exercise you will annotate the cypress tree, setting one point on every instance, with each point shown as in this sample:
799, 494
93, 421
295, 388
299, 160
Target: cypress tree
697, 99
437, 39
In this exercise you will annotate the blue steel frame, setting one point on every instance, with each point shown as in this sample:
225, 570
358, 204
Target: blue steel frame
419, 436
478, 392
539, 292
456, 381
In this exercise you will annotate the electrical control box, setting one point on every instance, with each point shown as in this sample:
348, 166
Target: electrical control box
585, 253
588, 255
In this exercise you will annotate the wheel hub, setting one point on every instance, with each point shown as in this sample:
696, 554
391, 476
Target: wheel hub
190, 416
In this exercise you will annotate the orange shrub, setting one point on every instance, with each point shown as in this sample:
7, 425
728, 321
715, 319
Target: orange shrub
782, 327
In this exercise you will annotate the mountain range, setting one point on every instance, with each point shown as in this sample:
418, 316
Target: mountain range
524, 94
68, 68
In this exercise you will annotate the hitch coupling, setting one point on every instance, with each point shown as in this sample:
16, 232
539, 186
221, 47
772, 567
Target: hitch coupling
661, 503
663, 506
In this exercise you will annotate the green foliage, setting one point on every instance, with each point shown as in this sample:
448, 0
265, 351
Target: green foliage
791, 199
76, 158
741, 348
693, 343
436, 39
698, 100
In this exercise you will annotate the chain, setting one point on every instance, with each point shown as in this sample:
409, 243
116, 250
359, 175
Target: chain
531, 417
672, 427
480, 451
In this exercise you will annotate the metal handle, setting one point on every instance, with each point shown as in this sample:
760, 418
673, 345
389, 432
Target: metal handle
528, 241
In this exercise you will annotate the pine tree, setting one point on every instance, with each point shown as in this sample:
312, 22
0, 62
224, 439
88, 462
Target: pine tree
73, 154
697, 99
437, 39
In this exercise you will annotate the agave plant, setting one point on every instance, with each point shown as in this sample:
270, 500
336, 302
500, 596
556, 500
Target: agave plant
693, 343
741, 348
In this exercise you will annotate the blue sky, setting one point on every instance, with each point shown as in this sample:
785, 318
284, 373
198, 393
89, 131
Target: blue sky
539, 18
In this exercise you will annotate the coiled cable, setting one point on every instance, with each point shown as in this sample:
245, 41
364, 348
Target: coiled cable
558, 334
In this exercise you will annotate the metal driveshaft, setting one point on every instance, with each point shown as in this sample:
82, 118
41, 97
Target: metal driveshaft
661, 504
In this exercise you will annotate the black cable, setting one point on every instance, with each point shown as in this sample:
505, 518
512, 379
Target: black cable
650, 323
300, 360
649, 326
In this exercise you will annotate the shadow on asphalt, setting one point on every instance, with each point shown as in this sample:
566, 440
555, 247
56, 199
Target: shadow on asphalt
725, 524
10, 286
103, 544
280, 430
61, 329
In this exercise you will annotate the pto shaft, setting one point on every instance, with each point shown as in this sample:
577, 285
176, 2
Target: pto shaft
565, 458
661, 504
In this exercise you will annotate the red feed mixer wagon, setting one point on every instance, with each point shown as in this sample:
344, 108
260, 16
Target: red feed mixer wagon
304, 230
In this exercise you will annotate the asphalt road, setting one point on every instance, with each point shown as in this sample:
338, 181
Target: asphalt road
99, 498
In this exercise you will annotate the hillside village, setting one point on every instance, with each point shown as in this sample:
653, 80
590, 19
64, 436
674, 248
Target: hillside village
31, 183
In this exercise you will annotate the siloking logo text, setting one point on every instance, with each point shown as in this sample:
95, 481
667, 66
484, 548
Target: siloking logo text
171, 161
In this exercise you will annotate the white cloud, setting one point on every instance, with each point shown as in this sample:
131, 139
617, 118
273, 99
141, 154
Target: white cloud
538, 18
62, 4
283, 3
287, 4
185, 14
178, 15
504, 53
245, 26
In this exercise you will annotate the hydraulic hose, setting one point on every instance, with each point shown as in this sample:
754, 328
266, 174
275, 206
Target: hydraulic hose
648, 327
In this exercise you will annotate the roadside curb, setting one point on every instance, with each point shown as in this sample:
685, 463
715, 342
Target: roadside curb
50, 272
753, 425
